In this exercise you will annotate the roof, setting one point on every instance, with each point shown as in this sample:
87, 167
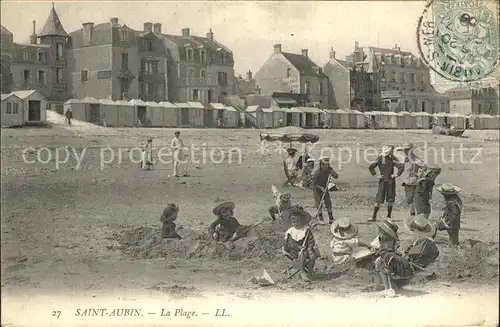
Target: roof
137, 102
230, 109
10, 95
304, 65
53, 25
280, 100
182, 105
70, 101
123, 103
107, 101
101, 34
389, 51
195, 41
167, 104
309, 109
153, 104
90, 100
370, 62
196, 105
23, 94
268, 110
217, 105
4, 30
252, 108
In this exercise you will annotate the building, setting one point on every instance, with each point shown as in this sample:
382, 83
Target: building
289, 73
41, 64
353, 84
7, 44
245, 86
113, 61
468, 100
12, 110
200, 68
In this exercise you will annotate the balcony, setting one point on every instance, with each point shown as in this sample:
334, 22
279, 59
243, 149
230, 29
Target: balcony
198, 81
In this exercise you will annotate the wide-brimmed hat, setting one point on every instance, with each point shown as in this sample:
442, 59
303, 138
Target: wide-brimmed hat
291, 151
386, 150
150, 139
304, 216
310, 160
324, 159
389, 227
429, 169
285, 196
407, 145
448, 189
343, 229
224, 205
419, 225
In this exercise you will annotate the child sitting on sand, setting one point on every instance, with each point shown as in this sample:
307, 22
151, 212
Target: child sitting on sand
299, 242
283, 202
226, 227
423, 251
450, 220
344, 240
167, 220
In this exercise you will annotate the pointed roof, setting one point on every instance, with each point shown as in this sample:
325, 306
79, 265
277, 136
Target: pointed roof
371, 62
303, 64
4, 30
53, 25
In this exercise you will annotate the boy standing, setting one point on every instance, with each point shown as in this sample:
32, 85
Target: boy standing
450, 221
321, 192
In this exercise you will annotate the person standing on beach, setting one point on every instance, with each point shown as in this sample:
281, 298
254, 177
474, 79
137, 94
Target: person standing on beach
321, 187
69, 116
177, 146
412, 166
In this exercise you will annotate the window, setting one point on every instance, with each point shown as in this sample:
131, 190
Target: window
288, 72
203, 73
59, 75
190, 54
403, 78
423, 80
149, 45
26, 76
26, 55
195, 95
393, 77
382, 75
222, 79
148, 67
423, 106
223, 58
190, 72
210, 95
15, 108
59, 53
41, 77
40, 56
412, 77
203, 55
406, 106
8, 110
124, 36
320, 89
151, 88
124, 61
479, 108
85, 75
307, 86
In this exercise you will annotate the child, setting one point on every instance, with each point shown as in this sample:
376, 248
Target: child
291, 168
283, 202
450, 221
226, 227
321, 187
423, 251
386, 163
344, 240
389, 264
147, 155
306, 178
299, 242
423, 190
167, 220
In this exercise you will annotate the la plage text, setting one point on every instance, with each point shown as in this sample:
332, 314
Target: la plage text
100, 312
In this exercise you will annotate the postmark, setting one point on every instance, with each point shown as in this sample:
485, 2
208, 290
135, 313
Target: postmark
459, 40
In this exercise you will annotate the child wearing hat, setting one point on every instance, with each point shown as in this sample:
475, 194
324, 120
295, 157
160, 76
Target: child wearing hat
344, 240
386, 162
167, 219
283, 202
412, 170
147, 155
299, 241
226, 227
321, 194
450, 220
423, 190
306, 178
291, 166
423, 251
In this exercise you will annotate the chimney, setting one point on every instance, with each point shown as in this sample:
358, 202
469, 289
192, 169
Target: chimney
210, 35
249, 75
332, 53
305, 53
114, 21
33, 36
185, 32
148, 27
277, 48
157, 28
87, 33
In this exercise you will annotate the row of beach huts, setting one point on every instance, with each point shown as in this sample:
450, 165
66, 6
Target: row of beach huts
197, 115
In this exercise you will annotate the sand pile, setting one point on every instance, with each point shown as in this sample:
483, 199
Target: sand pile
262, 244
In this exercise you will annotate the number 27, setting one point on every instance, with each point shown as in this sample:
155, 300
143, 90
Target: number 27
56, 314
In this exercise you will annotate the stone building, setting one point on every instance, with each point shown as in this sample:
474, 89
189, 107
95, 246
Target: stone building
467, 100
7, 44
289, 73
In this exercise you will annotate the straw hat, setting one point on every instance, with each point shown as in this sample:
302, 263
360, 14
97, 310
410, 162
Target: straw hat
429, 169
419, 225
310, 160
386, 150
291, 151
390, 228
224, 205
304, 216
448, 189
285, 196
343, 229
324, 159
407, 145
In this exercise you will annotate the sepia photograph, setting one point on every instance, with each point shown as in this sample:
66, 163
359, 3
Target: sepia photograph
250, 163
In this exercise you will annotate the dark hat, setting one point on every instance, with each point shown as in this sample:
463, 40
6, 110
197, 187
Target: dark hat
285, 196
390, 228
150, 140
224, 205
304, 216
448, 189
291, 151
343, 229
170, 210
177, 132
419, 225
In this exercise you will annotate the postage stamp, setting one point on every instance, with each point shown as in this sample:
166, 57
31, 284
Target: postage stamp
459, 40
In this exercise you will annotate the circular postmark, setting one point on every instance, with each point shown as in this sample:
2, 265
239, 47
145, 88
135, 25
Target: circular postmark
459, 39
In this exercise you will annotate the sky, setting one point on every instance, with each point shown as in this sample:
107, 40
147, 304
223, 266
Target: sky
249, 29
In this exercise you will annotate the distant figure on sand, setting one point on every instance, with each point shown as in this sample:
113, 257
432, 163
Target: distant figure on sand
167, 219
226, 227
450, 220
69, 116
386, 162
180, 157
321, 194
147, 155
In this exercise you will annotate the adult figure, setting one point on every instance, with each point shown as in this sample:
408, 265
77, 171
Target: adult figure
412, 167
178, 148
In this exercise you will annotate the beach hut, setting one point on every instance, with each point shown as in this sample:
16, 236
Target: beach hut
256, 112
140, 112
343, 117
356, 119
422, 119
217, 114
197, 114
35, 106
231, 117
487, 121
310, 116
191, 114
441, 119
126, 113
496, 122
92, 110
334, 118
457, 120
279, 119
109, 112
293, 116
406, 120
154, 114
77, 107
170, 114
267, 114
12, 110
